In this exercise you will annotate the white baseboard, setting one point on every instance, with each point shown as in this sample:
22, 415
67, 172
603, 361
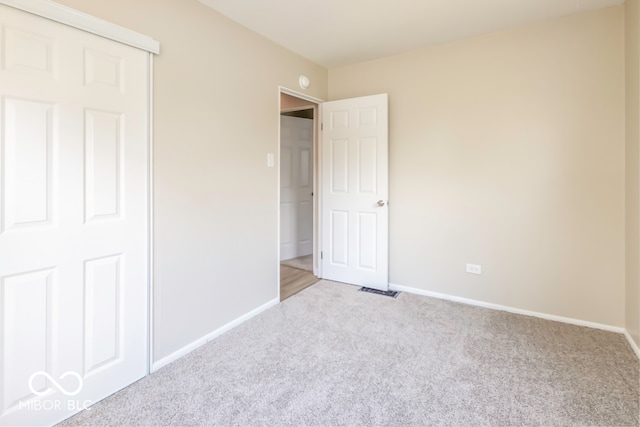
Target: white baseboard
632, 343
569, 320
227, 327
212, 335
508, 309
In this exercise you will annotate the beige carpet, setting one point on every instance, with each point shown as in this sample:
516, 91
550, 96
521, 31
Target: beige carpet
303, 262
333, 356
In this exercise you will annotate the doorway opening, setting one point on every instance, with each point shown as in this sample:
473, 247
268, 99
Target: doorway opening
298, 164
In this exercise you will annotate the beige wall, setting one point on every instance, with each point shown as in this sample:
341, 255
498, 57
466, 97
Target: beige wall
632, 44
216, 118
507, 150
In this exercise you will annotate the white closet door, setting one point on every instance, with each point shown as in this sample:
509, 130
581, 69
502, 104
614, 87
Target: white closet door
296, 187
73, 218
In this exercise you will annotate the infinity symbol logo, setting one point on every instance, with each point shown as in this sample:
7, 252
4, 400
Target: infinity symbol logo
55, 383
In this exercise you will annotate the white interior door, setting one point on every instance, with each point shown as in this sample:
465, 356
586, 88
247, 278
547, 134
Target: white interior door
296, 187
355, 214
73, 218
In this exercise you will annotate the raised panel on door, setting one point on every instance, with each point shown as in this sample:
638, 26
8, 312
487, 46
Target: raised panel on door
26, 163
287, 232
306, 168
103, 312
26, 301
103, 164
339, 238
103, 70
73, 217
339, 166
304, 241
355, 191
367, 241
338, 120
27, 51
367, 116
367, 170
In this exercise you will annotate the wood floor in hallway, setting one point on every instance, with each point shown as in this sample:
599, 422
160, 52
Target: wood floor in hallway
293, 280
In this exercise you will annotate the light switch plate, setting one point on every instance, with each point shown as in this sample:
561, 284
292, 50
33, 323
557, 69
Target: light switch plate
474, 269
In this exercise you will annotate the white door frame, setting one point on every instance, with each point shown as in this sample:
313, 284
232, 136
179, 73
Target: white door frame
317, 244
85, 22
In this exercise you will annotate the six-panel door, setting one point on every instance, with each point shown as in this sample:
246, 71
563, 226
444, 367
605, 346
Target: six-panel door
355, 191
296, 187
73, 218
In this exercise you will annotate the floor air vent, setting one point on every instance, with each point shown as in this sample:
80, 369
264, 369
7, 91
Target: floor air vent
392, 294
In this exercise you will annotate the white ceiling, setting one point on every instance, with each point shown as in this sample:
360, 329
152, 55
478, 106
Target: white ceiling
340, 32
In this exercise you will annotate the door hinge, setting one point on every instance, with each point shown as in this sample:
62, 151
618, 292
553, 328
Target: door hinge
321, 255
321, 126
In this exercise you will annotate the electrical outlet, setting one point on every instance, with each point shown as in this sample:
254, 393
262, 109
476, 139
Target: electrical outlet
474, 269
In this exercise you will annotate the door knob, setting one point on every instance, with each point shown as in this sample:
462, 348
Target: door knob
380, 203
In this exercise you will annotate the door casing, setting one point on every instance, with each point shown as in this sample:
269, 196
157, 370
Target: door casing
317, 244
